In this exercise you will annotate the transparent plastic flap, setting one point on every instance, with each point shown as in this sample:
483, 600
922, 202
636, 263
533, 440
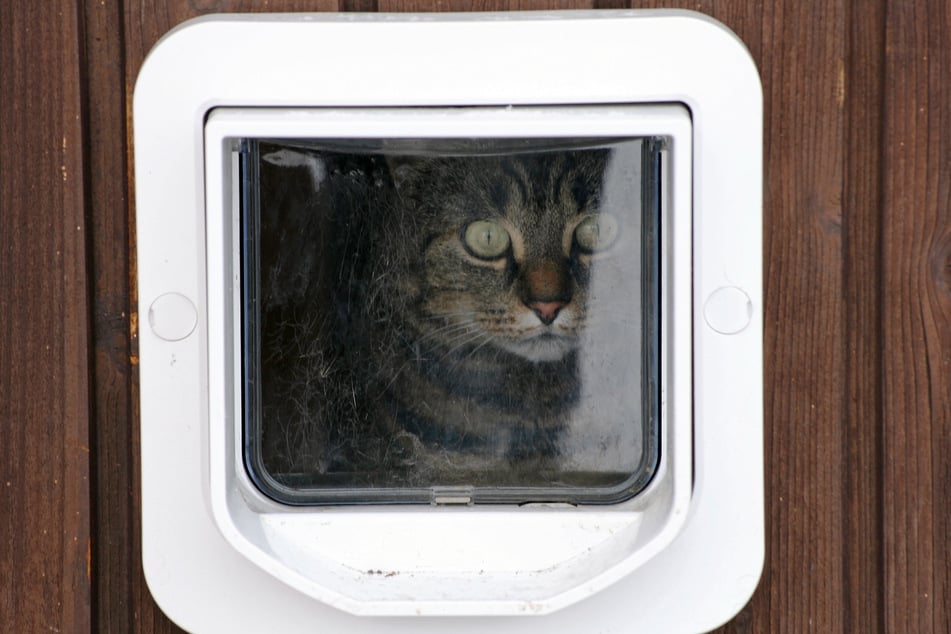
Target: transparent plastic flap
450, 320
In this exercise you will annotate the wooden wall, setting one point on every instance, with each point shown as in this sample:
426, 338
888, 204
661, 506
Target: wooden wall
858, 316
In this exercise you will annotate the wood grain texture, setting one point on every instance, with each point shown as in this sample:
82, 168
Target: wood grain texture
862, 84
801, 66
858, 317
116, 547
44, 389
403, 6
916, 258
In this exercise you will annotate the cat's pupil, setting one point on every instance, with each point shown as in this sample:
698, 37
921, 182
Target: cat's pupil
486, 239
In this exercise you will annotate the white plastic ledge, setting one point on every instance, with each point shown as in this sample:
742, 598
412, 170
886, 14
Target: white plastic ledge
208, 566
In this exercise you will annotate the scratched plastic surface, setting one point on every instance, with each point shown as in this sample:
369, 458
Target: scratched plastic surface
451, 321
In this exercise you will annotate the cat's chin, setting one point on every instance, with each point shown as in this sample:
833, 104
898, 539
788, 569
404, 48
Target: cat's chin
541, 348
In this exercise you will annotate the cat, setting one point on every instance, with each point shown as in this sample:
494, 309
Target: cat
432, 317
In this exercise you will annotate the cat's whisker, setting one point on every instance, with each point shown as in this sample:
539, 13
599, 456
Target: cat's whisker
488, 338
457, 342
475, 337
447, 329
455, 331
446, 316
450, 331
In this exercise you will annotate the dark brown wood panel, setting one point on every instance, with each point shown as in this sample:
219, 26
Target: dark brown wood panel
115, 553
861, 234
44, 387
802, 71
858, 317
404, 6
916, 300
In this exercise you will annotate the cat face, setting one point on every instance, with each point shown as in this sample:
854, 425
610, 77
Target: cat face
505, 250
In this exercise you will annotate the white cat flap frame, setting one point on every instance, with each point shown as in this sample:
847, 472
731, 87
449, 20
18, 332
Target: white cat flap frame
683, 555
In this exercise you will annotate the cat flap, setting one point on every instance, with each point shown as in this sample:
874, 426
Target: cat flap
419, 335
450, 320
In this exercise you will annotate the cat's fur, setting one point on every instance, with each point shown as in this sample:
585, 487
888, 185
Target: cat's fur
390, 346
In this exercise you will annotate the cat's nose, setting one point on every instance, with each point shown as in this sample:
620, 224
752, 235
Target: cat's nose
547, 311
546, 288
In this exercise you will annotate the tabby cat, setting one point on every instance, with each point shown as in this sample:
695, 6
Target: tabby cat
438, 317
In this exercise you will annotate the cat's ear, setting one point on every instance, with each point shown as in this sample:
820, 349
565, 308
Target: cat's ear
406, 171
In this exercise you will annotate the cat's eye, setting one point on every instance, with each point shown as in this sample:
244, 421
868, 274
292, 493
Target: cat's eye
596, 233
486, 239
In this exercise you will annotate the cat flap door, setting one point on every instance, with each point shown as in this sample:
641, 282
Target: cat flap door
452, 320
448, 334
